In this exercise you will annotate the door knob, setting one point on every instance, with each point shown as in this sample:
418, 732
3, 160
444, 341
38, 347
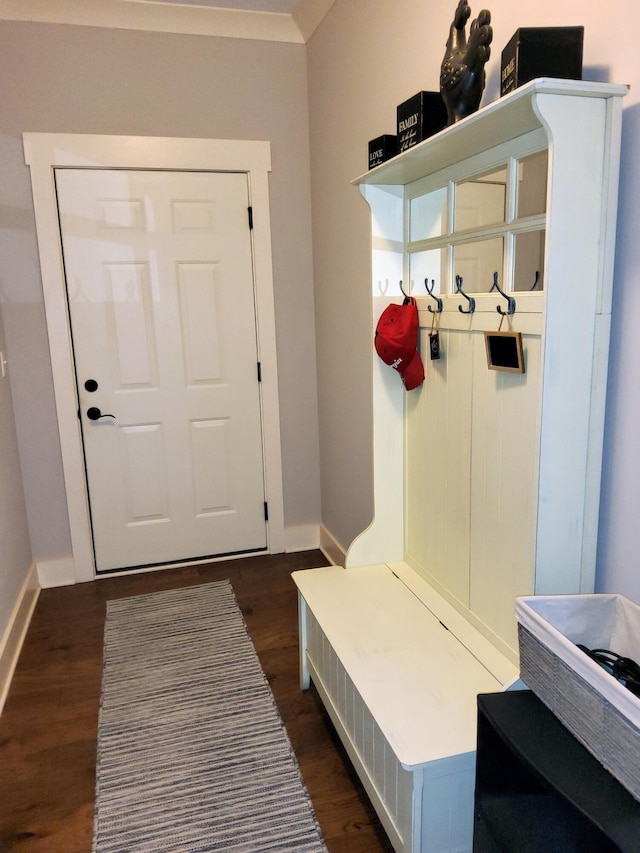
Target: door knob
95, 414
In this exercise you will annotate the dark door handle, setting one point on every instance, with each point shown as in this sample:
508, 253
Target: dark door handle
95, 414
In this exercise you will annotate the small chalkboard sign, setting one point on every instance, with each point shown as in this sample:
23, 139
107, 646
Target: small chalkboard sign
504, 351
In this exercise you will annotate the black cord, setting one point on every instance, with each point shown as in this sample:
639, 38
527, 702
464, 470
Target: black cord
625, 670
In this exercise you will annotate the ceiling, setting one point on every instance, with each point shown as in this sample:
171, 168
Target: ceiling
270, 20
284, 7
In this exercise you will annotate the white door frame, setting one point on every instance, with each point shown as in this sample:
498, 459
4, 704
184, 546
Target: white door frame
43, 152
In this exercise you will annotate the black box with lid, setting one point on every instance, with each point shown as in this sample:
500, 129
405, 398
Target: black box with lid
420, 117
382, 148
541, 52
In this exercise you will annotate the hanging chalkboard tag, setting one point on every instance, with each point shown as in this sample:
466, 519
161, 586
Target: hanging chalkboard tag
434, 345
434, 334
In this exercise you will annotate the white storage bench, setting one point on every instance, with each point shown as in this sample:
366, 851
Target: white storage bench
485, 483
399, 670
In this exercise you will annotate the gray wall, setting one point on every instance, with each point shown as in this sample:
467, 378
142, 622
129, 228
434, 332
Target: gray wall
58, 78
15, 553
365, 59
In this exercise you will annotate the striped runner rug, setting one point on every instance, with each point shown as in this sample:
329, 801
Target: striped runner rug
192, 752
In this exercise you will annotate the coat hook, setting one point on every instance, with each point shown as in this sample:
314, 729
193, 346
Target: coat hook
406, 295
536, 281
511, 302
470, 299
437, 299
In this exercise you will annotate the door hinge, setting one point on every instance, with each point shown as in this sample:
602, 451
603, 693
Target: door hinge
259, 372
250, 213
266, 511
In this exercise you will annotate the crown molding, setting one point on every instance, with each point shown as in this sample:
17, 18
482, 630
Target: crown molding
167, 17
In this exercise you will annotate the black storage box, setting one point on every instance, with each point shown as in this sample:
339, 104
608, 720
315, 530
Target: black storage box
420, 117
382, 148
541, 52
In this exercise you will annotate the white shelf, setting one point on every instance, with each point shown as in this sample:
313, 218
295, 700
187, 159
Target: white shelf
480, 131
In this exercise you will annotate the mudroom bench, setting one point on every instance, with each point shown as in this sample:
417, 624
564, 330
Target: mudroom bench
398, 670
486, 478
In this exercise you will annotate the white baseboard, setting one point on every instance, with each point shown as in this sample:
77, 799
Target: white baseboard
302, 537
59, 572
331, 548
11, 642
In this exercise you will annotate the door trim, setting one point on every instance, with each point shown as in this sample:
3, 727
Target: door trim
43, 152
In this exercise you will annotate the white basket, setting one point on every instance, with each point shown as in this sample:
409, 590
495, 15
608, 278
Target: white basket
599, 711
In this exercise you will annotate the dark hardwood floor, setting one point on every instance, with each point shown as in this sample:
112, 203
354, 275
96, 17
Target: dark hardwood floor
49, 725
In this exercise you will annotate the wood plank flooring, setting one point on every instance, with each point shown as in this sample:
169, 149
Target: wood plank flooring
49, 725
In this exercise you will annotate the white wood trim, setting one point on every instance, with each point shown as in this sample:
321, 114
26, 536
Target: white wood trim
331, 548
43, 152
295, 28
302, 537
11, 642
266, 323
159, 16
52, 573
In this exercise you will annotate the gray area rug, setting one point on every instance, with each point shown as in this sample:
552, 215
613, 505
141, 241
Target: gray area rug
192, 752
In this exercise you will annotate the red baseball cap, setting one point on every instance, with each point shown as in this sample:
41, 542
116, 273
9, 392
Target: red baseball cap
396, 342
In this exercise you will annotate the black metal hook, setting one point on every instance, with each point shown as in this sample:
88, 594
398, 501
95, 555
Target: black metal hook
406, 295
437, 299
536, 281
511, 302
470, 299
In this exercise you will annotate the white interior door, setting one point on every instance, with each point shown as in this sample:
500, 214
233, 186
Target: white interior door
159, 279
